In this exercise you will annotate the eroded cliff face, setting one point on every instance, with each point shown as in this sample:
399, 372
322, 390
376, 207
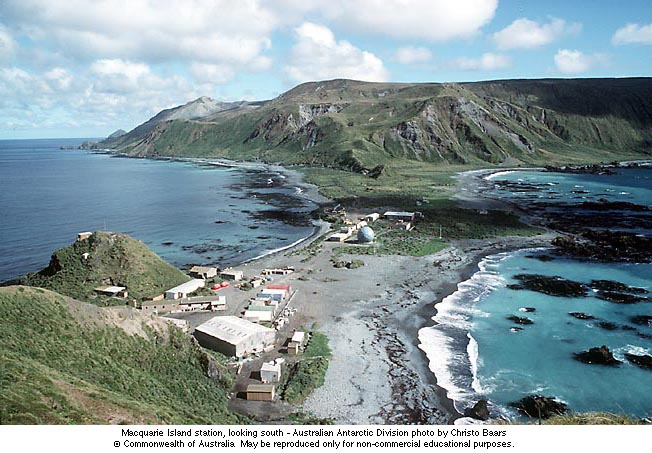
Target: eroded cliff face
339, 122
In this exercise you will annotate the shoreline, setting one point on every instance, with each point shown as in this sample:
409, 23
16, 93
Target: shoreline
290, 177
471, 186
390, 380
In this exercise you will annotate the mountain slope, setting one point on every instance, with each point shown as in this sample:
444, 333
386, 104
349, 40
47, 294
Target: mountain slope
113, 259
67, 362
358, 125
199, 108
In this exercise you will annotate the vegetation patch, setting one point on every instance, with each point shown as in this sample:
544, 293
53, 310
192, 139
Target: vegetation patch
106, 259
317, 346
308, 374
304, 377
593, 418
353, 264
56, 369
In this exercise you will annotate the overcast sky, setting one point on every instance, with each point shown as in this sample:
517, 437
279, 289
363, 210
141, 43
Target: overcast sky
84, 68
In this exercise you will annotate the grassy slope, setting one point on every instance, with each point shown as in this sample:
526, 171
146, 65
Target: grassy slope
484, 123
114, 259
57, 368
309, 373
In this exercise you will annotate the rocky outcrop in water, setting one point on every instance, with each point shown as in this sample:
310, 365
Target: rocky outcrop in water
479, 411
642, 320
541, 407
580, 315
597, 356
610, 285
606, 325
520, 320
620, 298
608, 246
552, 286
642, 361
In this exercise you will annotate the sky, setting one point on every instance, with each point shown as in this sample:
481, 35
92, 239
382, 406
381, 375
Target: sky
84, 68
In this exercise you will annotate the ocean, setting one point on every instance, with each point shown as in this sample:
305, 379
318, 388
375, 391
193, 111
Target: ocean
476, 352
188, 213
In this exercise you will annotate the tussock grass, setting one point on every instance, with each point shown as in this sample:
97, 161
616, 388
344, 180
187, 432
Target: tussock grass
56, 370
114, 259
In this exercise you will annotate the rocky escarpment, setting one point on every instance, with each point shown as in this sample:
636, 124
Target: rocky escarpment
358, 125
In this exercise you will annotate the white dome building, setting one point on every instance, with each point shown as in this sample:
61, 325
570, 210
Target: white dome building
366, 234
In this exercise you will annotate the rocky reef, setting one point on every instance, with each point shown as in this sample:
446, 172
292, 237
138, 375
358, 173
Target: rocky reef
607, 246
541, 407
642, 361
552, 286
597, 356
520, 320
479, 411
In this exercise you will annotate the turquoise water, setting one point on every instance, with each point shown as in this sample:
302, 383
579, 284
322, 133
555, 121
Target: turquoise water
539, 358
633, 185
475, 352
188, 213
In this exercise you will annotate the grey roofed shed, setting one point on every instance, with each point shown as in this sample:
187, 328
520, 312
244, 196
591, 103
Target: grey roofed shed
234, 336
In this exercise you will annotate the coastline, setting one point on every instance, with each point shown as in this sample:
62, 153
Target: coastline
386, 326
290, 178
471, 188
373, 315
378, 372
390, 382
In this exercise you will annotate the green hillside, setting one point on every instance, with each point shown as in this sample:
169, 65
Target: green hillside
113, 259
67, 362
356, 126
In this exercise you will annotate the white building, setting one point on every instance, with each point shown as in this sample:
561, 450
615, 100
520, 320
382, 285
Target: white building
231, 274
84, 235
372, 217
270, 372
258, 313
233, 336
183, 290
299, 337
203, 272
212, 303
115, 291
338, 237
403, 216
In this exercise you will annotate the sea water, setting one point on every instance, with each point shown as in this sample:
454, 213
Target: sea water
475, 352
189, 213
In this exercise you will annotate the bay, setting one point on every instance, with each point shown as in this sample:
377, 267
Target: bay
189, 213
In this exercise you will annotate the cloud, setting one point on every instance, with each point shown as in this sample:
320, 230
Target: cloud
211, 31
59, 78
7, 43
487, 62
107, 94
413, 55
121, 76
317, 55
633, 34
212, 73
570, 62
527, 34
431, 20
